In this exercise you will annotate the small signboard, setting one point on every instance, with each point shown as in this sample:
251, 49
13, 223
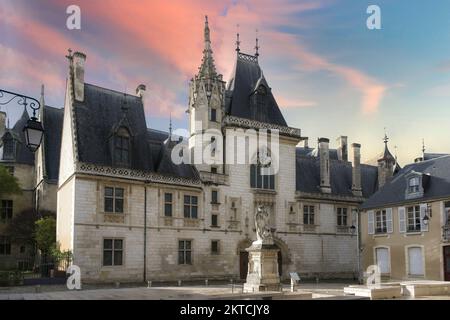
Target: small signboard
294, 276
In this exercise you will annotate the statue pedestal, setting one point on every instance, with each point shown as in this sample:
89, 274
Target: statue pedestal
262, 268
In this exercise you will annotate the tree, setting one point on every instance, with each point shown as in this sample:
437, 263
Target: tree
22, 227
46, 234
8, 183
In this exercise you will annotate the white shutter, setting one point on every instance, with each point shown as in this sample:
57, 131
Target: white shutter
423, 212
401, 220
415, 259
389, 225
370, 222
382, 255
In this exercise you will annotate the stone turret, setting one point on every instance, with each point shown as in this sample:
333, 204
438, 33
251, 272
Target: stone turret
386, 164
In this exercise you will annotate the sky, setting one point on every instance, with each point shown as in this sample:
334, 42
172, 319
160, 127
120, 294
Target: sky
330, 74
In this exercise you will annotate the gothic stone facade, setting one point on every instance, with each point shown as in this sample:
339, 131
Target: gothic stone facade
129, 213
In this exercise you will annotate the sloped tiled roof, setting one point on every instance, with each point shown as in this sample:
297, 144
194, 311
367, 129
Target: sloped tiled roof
393, 192
53, 123
246, 78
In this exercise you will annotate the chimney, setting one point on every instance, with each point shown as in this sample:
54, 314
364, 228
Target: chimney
342, 149
79, 60
306, 142
140, 90
356, 170
2, 123
324, 156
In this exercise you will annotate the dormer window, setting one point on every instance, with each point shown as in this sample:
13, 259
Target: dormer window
261, 97
413, 185
122, 147
9, 148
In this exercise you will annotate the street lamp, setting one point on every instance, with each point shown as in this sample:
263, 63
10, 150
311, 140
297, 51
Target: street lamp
33, 129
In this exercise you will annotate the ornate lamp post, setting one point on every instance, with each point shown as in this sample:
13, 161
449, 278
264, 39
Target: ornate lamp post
33, 130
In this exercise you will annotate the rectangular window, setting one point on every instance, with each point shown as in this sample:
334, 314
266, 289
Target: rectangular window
190, 207
214, 246
308, 215
213, 170
114, 200
168, 204
214, 219
5, 246
214, 196
414, 218
213, 146
112, 252
184, 252
122, 150
341, 216
260, 181
413, 185
6, 210
213, 115
380, 221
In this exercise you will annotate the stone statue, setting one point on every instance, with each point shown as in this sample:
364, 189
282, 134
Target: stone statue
263, 232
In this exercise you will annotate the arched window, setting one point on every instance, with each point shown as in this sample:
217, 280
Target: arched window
122, 147
258, 177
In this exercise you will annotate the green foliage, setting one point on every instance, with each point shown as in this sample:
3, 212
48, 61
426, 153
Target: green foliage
8, 183
10, 278
45, 235
22, 227
64, 256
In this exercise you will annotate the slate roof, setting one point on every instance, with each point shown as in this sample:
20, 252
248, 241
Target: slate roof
97, 117
393, 192
429, 156
246, 78
53, 123
308, 175
23, 154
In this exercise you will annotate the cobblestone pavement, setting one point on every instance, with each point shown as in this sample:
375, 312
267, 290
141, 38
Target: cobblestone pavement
96, 292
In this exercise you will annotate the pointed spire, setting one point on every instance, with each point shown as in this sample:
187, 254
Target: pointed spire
238, 42
207, 69
387, 154
257, 45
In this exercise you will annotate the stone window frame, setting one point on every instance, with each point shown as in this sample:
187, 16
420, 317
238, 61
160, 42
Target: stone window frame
213, 112
217, 252
340, 216
6, 210
191, 205
389, 254
5, 246
114, 199
216, 192
424, 264
185, 251
314, 214
418, 190
113, 250
122, 134
166, 203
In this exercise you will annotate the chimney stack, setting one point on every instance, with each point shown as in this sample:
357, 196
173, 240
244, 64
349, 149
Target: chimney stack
356, 170
324, 156
342, 149
140, 90
79, 60
2, 123
306, 142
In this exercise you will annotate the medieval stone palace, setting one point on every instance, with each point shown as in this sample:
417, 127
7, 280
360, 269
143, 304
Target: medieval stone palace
129, 213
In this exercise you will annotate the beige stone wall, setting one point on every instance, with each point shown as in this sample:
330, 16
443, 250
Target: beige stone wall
397, 243
65, 215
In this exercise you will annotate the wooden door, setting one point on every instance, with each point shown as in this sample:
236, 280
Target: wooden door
243, 264
447, 263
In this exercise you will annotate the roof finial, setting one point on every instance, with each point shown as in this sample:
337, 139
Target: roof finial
207, 38
238, 43
257, 46
170, 124
386, 139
